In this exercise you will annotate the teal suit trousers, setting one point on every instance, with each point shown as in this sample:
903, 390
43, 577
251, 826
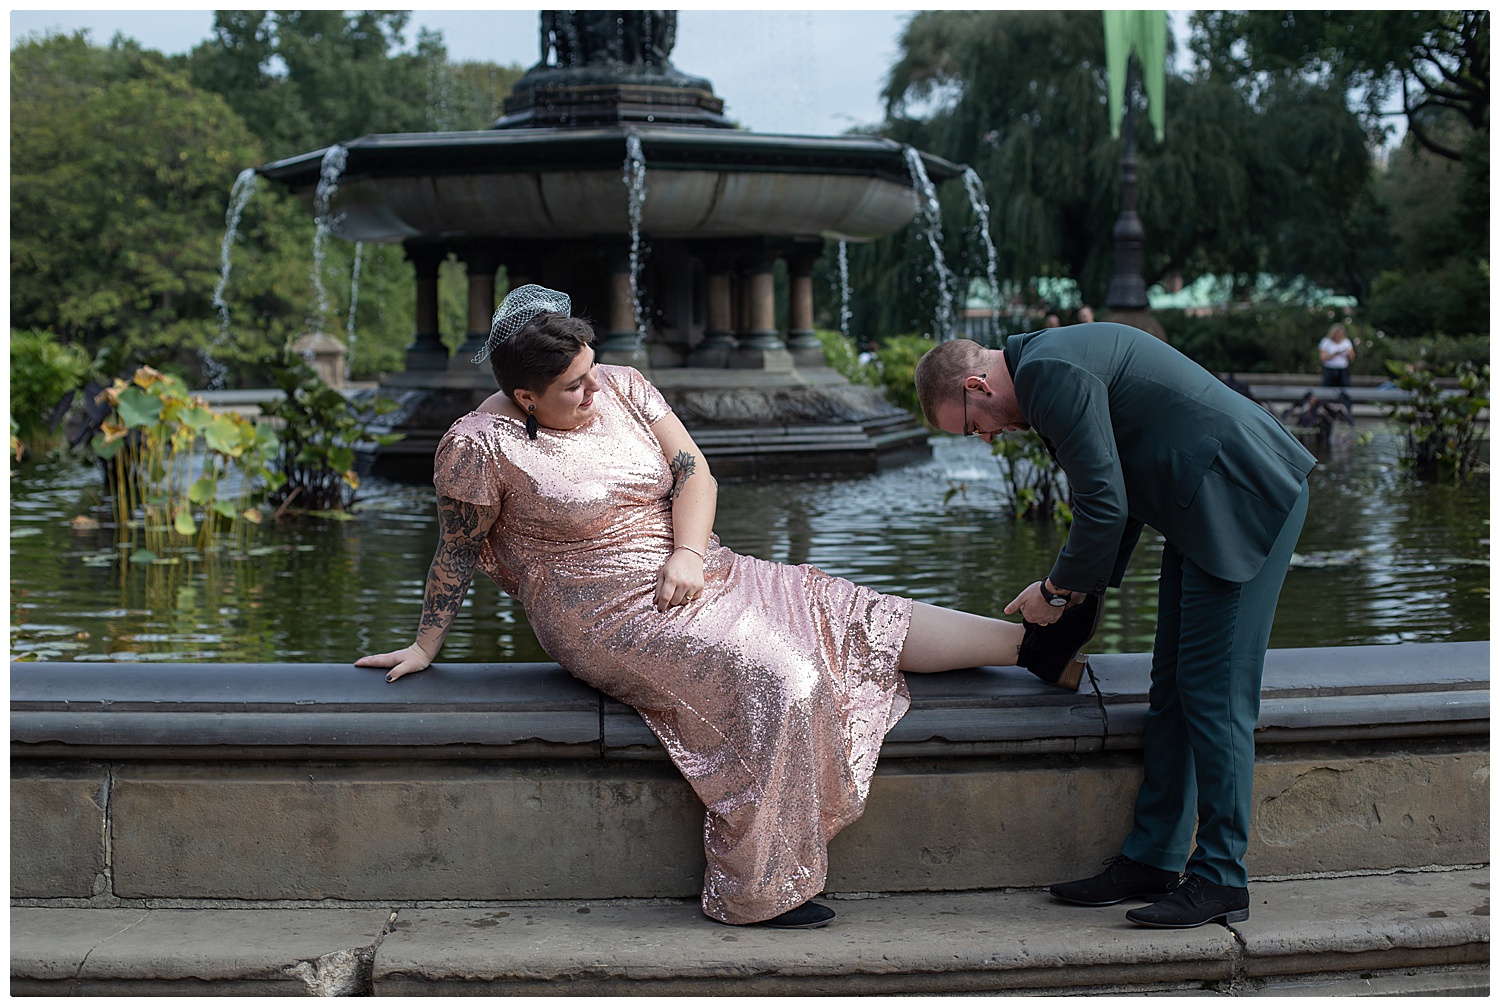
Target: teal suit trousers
1211, 638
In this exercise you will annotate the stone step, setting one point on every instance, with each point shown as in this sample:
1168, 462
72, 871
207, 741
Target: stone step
1394, 934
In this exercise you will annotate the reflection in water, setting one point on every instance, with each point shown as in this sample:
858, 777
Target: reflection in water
1382, 559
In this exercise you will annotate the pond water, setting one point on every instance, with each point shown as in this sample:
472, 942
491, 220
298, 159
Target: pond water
1382, 559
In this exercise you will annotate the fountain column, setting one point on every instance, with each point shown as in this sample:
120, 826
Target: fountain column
760, 345
426, 352
481, 265
621, 344
718, 337
801, 339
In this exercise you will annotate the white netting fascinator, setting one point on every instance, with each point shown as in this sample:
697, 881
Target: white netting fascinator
519, 307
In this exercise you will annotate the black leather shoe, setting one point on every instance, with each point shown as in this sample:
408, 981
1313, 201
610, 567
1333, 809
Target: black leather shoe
1051, 652
807, 916
1122, 879
1196, 901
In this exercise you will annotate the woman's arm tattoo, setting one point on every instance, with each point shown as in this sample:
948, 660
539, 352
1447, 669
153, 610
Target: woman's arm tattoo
464, 526
682, 466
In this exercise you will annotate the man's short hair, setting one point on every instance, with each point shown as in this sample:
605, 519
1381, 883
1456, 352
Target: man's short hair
941, 372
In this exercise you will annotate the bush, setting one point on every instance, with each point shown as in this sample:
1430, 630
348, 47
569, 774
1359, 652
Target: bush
320, 429
843, 356
42, 372
1442, 428
896, 369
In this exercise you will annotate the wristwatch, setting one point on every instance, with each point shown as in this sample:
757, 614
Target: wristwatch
1055, 600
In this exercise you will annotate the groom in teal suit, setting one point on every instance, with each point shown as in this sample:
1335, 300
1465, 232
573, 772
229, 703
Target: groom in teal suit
1148, 437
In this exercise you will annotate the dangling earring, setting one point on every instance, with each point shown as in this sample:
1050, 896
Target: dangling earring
531, 422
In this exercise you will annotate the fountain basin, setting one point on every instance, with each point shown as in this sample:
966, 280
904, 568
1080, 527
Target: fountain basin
544, 183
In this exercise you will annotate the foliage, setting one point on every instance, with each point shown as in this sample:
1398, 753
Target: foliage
42, 372
116, 243
1035, 487
843, 356
1439, 60
319, 431
1245, 182
147, 444
895, 369
304, 79
1443, 429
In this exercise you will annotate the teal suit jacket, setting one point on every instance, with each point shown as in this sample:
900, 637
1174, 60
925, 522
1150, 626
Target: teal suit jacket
1146, 436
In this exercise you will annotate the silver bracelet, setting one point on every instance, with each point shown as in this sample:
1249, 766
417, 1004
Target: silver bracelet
700, 554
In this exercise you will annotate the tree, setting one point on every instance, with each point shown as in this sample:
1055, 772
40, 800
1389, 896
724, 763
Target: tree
1244, 182
119, 173
306, 79
1439, 60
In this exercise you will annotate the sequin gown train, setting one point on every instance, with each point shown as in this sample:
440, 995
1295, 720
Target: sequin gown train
771, 692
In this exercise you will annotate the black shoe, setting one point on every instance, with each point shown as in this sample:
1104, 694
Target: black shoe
807, 916
1196, 901
1051, 652
1122, 879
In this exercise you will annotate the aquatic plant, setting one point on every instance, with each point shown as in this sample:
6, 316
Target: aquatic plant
1443, 430
159, 483
320, 429
1034, 486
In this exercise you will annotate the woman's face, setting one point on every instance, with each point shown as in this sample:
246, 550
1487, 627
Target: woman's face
569, 401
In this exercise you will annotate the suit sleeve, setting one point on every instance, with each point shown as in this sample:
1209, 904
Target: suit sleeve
1069, 407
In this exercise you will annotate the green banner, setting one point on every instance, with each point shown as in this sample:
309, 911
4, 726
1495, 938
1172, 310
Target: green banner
1145, 31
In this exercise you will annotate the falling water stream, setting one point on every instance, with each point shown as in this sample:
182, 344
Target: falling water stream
844, 312
359, 249
239, 196
932, 228
635, 182
332, 170
974, 185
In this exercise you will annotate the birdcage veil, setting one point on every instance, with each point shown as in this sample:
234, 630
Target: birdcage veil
519, 307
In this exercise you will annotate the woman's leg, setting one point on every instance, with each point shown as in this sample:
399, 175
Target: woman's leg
941, 639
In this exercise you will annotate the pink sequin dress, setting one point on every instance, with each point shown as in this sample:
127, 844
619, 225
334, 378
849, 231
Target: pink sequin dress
771, 692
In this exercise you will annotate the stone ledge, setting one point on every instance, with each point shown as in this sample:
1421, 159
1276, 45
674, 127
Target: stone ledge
459, 711
966, 942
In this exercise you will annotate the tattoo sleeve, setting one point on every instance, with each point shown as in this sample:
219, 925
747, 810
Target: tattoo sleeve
464, 526
682, 467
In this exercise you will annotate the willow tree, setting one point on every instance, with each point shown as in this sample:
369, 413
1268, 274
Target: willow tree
1276, 180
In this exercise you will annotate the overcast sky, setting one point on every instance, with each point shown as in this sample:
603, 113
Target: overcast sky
781, 71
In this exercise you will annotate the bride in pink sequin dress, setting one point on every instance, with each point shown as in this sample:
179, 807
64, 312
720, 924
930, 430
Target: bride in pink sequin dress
771, 686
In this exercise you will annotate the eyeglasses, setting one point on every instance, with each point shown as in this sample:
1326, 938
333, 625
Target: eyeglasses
968, 430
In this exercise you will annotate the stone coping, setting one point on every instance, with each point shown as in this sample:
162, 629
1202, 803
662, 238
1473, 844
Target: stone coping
167, 710
1322, 931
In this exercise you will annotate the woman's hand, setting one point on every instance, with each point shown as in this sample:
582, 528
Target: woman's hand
680, 579
400, 662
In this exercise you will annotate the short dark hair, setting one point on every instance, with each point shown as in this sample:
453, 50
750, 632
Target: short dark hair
543, 348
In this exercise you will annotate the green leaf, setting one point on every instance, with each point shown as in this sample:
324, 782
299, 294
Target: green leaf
223, 508
196, 418
223, 436
138, 408
183, 523
106, 449
203, 490
142, 556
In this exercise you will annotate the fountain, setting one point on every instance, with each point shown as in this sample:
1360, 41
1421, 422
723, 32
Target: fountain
677, 266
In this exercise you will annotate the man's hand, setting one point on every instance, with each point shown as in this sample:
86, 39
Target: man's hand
1034, 608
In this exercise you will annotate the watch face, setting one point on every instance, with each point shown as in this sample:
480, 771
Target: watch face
1058, 602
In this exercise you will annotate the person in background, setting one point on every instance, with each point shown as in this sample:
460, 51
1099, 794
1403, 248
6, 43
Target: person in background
1337, 353
1085, 315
